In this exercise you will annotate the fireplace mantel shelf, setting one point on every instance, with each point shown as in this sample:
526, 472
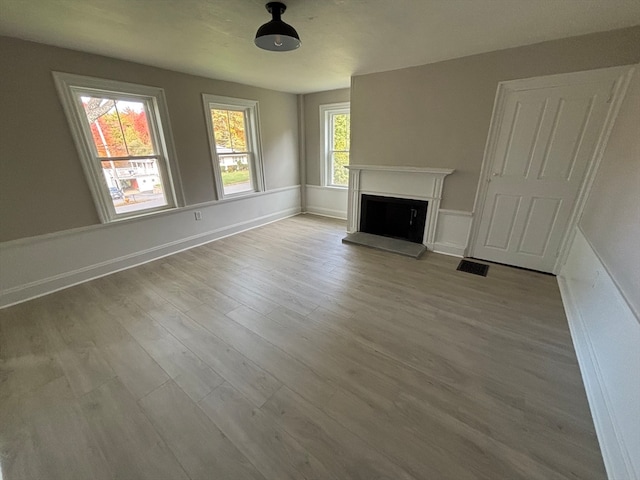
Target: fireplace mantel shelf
389, 168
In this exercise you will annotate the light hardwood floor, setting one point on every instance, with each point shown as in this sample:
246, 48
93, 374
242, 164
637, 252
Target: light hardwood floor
280, 353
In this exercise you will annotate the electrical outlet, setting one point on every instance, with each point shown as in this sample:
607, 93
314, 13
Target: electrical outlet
198, 214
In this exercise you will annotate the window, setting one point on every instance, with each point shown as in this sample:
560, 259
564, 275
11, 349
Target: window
118, 129
232, 124
335, 122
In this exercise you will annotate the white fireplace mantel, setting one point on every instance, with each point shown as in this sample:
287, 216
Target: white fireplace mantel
402, 182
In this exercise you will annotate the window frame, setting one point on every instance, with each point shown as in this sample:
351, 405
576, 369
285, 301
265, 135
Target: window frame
254, 141
69, 87
326, 141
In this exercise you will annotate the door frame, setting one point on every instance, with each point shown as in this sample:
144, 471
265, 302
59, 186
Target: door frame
621, 76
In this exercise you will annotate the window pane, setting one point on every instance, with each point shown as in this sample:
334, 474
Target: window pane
238, 133
236, 174
341, 129
339, 174
118, 128
221, 131
106, 132
135, 128
134, 185
229, 131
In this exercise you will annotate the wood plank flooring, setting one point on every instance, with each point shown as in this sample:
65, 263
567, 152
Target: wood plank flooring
281, 353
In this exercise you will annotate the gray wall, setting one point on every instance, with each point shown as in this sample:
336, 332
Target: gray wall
312, 102
611, 220
438, 115
42, 185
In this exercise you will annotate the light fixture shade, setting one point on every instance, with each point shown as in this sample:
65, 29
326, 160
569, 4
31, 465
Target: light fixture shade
276, 35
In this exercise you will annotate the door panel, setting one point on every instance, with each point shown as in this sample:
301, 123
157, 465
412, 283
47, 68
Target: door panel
545, 142
539, 223
527, 119
563, 146
506, 209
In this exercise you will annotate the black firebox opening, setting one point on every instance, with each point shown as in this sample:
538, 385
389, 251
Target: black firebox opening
393, 217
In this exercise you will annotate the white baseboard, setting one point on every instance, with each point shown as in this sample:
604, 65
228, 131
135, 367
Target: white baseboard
326, 212
449, 249
41, 265
606, 337
452, 232
327, 201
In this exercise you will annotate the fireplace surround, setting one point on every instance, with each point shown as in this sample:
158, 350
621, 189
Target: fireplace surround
410, 183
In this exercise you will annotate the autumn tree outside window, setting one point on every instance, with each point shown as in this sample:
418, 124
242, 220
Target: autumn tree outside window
335, 135
119, 130
234, 138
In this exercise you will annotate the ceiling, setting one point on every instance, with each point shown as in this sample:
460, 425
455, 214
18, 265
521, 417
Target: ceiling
340, 38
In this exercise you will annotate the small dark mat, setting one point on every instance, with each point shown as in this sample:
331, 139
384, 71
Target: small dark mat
473, 267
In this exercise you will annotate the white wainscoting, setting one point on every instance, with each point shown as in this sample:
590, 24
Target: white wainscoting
327, 201
606, 336
452, 232
36, 266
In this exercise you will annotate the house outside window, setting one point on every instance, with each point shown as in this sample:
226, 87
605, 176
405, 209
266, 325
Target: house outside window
335, 124
234, 138
120, 132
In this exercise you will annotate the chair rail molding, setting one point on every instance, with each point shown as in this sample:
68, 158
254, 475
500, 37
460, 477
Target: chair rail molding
35, 266
326, 201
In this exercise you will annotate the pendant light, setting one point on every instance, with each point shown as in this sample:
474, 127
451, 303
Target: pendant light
276, 35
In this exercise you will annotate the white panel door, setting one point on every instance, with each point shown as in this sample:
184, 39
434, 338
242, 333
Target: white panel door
545, 141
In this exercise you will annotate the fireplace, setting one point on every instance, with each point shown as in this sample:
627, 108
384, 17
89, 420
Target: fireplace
401, 218
399, 187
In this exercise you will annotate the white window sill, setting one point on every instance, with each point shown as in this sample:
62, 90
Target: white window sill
238, 196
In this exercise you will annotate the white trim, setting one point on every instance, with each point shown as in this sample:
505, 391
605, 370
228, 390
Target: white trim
106, 226
327, 201
326, 110
401, 182
593, 384
37, 266
160, 129
326, 212
456, 213
605, 334
620, 91
252, 131
449, 249
302, 150
55, 283
326, 188
396, 194
353, 201
452, 232
560, 79
390, 168
624, 74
